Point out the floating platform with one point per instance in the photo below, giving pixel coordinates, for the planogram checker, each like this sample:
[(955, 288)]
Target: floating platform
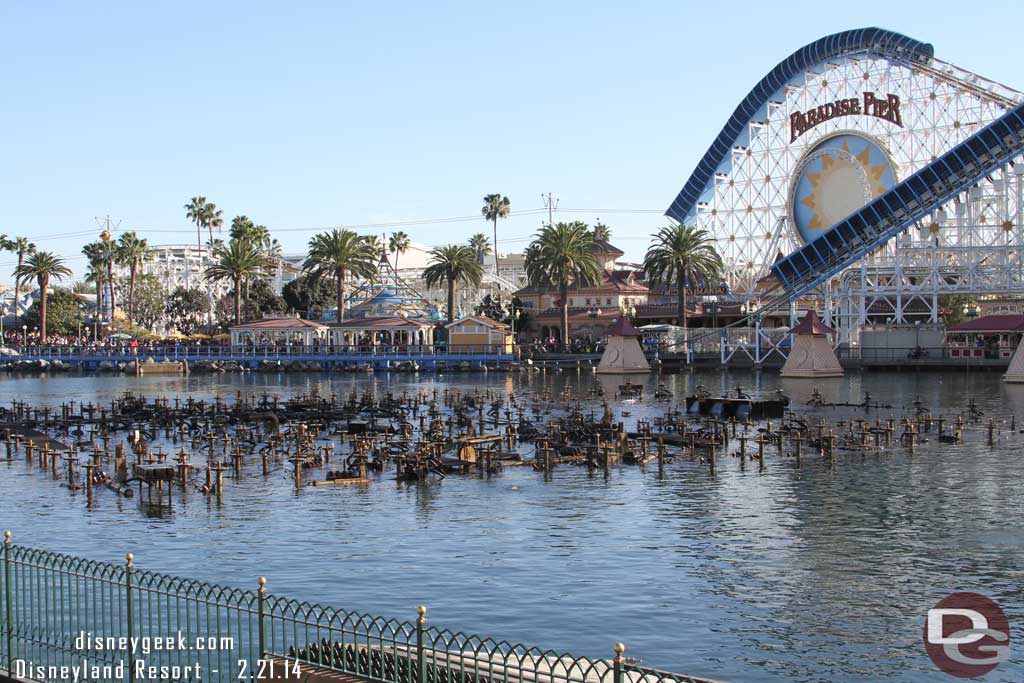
[(740, 408), (167, 367)]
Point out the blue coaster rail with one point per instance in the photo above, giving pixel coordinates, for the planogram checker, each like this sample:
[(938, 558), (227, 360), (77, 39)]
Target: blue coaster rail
[(887, 215)]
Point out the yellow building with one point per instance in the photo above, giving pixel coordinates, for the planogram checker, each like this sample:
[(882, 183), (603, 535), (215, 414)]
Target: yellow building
[(477, 333)]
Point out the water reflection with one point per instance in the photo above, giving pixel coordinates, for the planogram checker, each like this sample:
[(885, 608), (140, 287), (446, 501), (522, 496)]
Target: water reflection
[(821, 572)]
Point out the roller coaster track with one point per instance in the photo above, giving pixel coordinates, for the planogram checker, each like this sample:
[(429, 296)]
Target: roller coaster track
[(887, 215)]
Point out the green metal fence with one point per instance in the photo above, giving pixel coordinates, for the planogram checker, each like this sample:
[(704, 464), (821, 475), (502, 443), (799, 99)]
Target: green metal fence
[(64, 617)]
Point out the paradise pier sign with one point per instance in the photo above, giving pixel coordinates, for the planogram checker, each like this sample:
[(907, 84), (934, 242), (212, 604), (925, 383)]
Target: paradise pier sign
[(887, 108)]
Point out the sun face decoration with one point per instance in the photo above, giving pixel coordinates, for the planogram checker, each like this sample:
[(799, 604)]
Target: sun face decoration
[(840, 175)]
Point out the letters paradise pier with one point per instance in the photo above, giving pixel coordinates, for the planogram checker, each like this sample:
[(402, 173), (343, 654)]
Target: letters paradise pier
[(883, 107)]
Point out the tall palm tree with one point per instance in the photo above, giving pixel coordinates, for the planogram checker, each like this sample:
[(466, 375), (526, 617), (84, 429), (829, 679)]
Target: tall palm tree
[(96, 275), (237, 261), (196, 212), (681, 255), (43, 267), (132, 251), (22, 247), (399, 244), (102, 253), (481, 245), (496, 206), (338, 254), (213, 218), (95, 252), (602, 232), (560, 255), (453, 264), (242, 227)]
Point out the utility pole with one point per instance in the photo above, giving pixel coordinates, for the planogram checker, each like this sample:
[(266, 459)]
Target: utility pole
[(550, 203), (109, 226)]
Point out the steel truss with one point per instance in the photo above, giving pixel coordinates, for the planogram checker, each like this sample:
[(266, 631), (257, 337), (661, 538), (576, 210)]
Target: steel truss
[(973, 245)]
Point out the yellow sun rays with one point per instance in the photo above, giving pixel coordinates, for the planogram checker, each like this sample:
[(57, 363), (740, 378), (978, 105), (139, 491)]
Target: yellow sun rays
[(829, 164)]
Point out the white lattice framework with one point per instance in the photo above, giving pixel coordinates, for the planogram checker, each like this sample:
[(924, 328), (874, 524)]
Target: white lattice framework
[(973, 245)]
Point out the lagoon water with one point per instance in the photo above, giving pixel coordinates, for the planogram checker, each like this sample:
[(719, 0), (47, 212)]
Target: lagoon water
[(812, 574)]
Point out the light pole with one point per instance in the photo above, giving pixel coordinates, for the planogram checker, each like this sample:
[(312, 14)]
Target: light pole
[(24, 332)]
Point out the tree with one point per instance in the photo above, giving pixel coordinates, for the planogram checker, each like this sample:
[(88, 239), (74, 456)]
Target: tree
[(100, 255), (682, 255), (481, 245), (338, 254), (213, 218), (96, 276), (43, 266), (602, 232), (150, 296), (242, 227), (307, 293), (186, 308), (22, 247), (131, 251), (398, 244), (496, 206), (261, 300), (561, 254), (237, 261), (951, 307), (63, 313), (453, 264), (195, 211)]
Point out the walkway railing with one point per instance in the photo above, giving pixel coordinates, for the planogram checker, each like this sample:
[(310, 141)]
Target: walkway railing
[(259, 352), (63, 611)]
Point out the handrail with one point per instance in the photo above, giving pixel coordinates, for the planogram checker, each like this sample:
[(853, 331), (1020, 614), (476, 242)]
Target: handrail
[(49, 600)]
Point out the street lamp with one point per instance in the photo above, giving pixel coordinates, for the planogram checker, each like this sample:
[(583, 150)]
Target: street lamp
[(24, 332)]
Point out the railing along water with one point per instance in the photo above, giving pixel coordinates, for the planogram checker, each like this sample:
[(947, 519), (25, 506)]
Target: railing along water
[(70, 618)]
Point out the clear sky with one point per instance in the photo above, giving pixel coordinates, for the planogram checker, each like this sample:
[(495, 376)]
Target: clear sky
[(304, 115)]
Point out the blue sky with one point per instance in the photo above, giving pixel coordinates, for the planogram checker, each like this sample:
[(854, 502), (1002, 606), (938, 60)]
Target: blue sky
[(304, 115)]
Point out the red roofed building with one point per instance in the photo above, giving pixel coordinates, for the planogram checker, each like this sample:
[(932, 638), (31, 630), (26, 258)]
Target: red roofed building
[(591, 309), (990, 336), (280, 333)]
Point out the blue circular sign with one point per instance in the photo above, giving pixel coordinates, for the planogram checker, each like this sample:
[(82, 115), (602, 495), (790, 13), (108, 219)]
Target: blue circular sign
[(836, 177)]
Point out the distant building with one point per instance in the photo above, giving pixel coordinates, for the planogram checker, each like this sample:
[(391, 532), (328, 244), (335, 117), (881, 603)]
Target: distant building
[(592, 309)]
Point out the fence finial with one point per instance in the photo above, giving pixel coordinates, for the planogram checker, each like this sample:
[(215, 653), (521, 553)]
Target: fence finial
[(129, 557), (619, 649), (262, 581), (422, 611), (7, 537)]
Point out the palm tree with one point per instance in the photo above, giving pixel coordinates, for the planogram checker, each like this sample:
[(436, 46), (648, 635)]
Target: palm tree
[(399, 244), (95, 252), (236, 261), (132, 251), (338, 254), (453, 264), (481, 245), (195, 211), (242, 227), (43, 266), (213, 218), (22, 247), (602, 232), (102, 253), (495, 207), (681, 255), (561, 254)]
